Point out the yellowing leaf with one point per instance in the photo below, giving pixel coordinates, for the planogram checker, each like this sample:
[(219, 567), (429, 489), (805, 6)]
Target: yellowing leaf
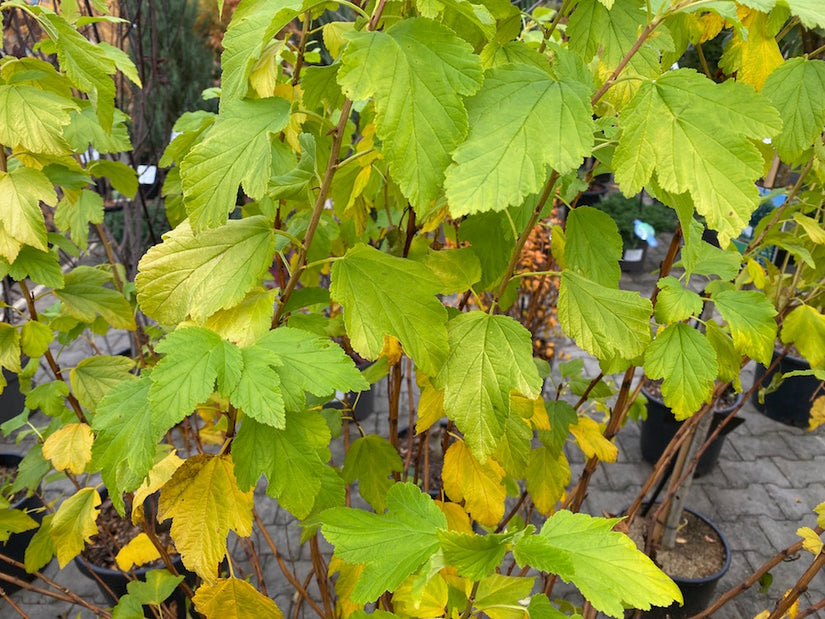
[(430, 406), (457, 519), (478, 485), (348, 575), (137, 552), (820, 514), (70, 448), (204, 502), (74, 524), (546, 478), (810, 540), (231, 598), (158, 476), (804, 327), (246, 322), (412, 601), (21, 192), (755, 56), (391, 350), (592, 442), (817, 416)]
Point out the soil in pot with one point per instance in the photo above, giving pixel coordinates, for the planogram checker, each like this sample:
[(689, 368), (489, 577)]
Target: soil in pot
[(791, 402), (697, 562), (436, 458), (661, 426), (15, 546), (102, 549)]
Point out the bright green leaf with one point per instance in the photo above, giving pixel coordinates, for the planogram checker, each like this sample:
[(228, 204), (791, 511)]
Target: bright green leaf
[(675, 303), (372, 460), (730, 361), (258, 391), (473, 556), (35, 338), (751, 318), (605, 565), (391, 546), (34, 119), (417, 71), (593, 246), (490, 356), (385, 295), (94, 377), (85, 296), (9, 347), (521, 122), (75, 214), (123, 178)]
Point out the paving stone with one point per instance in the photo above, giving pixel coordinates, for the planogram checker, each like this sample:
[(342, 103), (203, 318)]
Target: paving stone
[(733, 503), (803, 445), (752, 448), (699, 501), (610, 501), (622, 476), (743, 474), (757, 423), (797, 503), (745, 534), (781, 533), (802, 472), (785, 575)]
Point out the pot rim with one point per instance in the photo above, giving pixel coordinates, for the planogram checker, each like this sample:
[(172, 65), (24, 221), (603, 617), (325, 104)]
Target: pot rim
[(721, 411)]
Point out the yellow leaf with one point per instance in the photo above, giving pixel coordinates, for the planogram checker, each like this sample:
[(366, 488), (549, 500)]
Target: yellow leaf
[(264, 74), (757, 273), (430, 601), (589, 437), (70, 448), (540, 419), (763, 615), (711, 25), (457, 519), (139, 551), (231, 598), (810, 540), (820, 514), (546, 478), (525, 407), (478, 485), (391, 350), (430, 405), (793, 611), (754, 58), (817, 416), (74, 524), (204, 502), (348, 576), (159, 475)]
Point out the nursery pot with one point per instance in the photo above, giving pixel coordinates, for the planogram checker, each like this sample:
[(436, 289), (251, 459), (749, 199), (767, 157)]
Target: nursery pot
[(11, 400), (661, 426), (15, 546), (117, 580), (791, 402), (633, 260), (697, 593), (599, 187)]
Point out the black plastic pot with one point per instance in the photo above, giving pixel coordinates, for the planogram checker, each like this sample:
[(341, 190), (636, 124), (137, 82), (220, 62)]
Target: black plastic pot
[(791, 402), (114, 581), (11, 400), (599, 187), (661, 426), (698, 593), (633, 260), (15, 546)]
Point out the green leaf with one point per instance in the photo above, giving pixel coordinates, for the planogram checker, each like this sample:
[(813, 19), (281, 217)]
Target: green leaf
[(312, 363), (158, 586), (14, 521), (84, 130), (729, 360), (86, 64), (34, 119), (253, 25), (804, 327), (561, 415), (391, 546), (292, 184), (291, 459), (514, 447), (258, 391), (521, 121), (199, 275), (41, 267), (9, 347), (31, 470), (94, 377), (702, 258), (384, 295), (605, 565), (711, 126), (541, 608), (75, 214), (687, 362), (195, 359), (500, 596), (492, 241), (372, 460), (593, 246), (122, 61), (126, 436), (490, 356), (810, 12), (751, 318), (73, 524), (674, 302), (236, 150), (21, 192), (35, 338), (605, 322), (123, 178), (49, 398), (41, 548), (797, 90), (85, 296), (320, 84), (458, 269), (473, 556), (417, 71)]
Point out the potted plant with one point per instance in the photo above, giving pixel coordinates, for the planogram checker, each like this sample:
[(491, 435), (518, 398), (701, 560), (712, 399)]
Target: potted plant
[(789, 389)]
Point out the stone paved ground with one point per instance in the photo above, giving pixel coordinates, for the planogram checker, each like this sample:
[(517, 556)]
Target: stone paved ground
[(768, 480)]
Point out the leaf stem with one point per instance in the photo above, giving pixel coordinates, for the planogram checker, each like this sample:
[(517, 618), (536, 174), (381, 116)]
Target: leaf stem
[(470, 600), (651, 26), (302, 47)]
